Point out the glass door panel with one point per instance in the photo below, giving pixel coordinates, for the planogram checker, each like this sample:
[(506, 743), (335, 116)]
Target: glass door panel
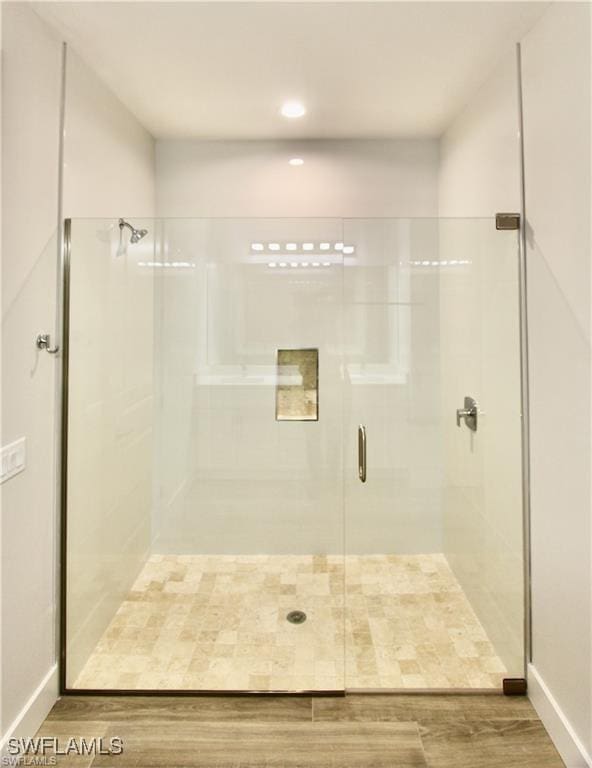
[(250, 470), (434, 581), (109, 387), (205, 504)]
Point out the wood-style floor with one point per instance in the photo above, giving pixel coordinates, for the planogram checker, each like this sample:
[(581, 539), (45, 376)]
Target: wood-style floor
[(358, 731)]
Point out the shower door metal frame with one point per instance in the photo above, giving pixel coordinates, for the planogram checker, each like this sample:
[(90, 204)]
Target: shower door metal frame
[(524, 374), (63, 469), (65, 248)]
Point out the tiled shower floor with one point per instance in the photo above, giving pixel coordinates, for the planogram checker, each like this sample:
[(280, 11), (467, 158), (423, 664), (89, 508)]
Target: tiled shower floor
[(219, 622)]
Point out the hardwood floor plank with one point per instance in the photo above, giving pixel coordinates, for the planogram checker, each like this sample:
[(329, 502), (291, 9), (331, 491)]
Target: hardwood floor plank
[(358, 731), (484, 706), (502, 743), (423, 709), (183, 708), (66, 729), (253, 745)]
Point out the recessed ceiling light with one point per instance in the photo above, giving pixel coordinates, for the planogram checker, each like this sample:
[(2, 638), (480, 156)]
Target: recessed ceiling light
[(324, 246), (348, 249), (291, 246), (307, 246), (274, 246), (256, 246), (338, 246), (296, 161), (293, 109)]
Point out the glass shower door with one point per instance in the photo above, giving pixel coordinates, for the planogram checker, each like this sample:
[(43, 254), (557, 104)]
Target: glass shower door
[(250, 501), (434, 557), (205, 506)]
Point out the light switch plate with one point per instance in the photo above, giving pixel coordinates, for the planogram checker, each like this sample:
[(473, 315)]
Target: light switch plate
[(13, 459)]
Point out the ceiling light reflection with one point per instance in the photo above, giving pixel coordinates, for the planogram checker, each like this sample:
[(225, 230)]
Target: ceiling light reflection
[(293, 109)]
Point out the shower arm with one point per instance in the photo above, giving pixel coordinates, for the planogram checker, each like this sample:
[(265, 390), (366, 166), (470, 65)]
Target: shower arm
[(123, 223)]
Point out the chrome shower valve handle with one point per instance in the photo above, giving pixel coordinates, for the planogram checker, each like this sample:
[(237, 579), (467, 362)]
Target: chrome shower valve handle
[(468, 413)]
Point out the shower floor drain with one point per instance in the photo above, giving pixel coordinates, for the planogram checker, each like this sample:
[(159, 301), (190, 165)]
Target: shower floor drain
[(296, 617)]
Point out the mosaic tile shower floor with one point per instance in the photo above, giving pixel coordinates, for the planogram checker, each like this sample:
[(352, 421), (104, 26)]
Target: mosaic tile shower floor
[(219, 622)]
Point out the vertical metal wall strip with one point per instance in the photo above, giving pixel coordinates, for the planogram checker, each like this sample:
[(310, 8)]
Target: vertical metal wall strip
[(62, 308), (524, 375)]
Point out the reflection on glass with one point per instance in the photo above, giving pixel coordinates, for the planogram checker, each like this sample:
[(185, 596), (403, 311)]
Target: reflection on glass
[(297, 385)]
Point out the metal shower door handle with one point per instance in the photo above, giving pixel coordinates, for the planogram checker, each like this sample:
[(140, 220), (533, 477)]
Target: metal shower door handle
[(362, 453)]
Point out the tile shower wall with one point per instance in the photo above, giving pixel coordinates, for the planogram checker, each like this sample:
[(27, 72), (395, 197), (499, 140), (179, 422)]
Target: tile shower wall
[(232, 479), (482, 502), (392, 383), (110, 429)]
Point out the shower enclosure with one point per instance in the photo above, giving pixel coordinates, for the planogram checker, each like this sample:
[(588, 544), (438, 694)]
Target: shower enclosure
[(292, 456)]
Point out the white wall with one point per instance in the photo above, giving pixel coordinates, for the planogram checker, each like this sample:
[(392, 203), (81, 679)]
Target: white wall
[(109, 157), (556, 77), (30, 117), (479, 151), (101, 130), (477, 179), (338, 178)]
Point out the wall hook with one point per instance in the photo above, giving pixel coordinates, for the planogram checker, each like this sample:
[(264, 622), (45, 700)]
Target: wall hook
[(43, 341)]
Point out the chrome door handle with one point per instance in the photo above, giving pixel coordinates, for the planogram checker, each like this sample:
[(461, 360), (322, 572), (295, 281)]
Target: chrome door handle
[(362, 453), (468, 413)]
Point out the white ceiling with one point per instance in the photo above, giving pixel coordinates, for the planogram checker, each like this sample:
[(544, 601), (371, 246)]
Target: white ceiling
[(363, 69)]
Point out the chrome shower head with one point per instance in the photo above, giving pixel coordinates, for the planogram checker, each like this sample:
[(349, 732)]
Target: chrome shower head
[(137, 234)]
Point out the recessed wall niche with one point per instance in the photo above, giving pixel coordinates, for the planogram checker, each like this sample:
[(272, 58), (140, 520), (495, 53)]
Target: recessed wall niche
[(297, 389)]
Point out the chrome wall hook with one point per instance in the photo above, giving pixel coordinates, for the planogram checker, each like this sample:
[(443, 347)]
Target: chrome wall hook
[(43, 341)]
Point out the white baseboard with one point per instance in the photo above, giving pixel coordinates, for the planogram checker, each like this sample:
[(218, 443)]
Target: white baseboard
[(572, 751), (35, 711)]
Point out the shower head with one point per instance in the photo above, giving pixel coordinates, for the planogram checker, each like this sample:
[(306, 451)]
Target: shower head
[(137, 234)]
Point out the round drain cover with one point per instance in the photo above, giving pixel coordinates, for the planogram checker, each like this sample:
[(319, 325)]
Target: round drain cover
[(296, 617)]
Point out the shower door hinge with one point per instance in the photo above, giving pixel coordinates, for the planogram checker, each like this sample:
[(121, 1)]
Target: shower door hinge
[(506, 221), (514, 686)]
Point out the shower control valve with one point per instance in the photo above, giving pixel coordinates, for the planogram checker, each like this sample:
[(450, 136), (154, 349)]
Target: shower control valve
[(468, 413)]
